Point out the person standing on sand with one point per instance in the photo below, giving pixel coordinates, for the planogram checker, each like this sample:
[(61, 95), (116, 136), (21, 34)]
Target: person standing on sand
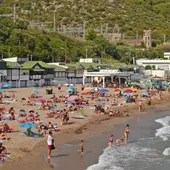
[(111, 141), (126, 134), (140, 105), (149, 101), (50, 143)]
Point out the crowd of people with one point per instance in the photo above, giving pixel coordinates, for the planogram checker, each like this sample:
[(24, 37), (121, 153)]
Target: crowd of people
[(100, 103)]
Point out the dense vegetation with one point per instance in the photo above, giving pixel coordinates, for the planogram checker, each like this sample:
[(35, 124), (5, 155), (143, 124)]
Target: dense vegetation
[(19, 39), (130, 15)]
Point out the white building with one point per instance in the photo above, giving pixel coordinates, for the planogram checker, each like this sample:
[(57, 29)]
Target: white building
[(158, 63), (90, 60), (167, 55)]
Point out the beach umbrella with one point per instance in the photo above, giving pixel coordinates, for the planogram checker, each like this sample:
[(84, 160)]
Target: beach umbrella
[(71, 85), (125, 94), (7, 85), (35, 91), (128, 91), (104, 91), (2, 90), (70, 90), (118, 90), (72, 98), (145, 94), (41, 100), (96, 89), (134, 89), (86, 91), (165, 83), (27, 125), (22, 110), (31, 111)]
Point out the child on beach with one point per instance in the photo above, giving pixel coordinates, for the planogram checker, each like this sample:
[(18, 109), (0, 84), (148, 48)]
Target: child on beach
[(111, 141), (119, 141), (81, 147)]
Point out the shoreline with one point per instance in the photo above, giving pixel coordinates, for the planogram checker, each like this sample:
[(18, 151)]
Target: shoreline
[(101, 124)]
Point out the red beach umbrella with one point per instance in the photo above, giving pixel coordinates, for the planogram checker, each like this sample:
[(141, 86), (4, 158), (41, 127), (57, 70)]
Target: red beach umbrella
[(128, 91)]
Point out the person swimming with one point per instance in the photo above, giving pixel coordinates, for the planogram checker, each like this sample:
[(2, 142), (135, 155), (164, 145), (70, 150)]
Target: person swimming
[(126, 134), (119, 141)]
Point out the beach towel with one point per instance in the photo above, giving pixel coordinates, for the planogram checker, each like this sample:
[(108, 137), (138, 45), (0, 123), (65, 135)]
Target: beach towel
[(82, 112), (3, 158), (34, 135), (2, 141), (78, 117)]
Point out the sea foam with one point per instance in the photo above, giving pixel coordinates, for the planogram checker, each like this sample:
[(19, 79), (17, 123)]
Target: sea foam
[(163, 132), (166, 152), (127, 156)]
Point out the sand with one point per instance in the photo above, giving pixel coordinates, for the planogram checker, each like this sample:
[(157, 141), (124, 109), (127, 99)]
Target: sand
[(29, 151)]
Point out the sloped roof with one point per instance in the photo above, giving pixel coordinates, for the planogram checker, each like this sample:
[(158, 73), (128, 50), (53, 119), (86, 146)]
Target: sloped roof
[(84, 65), (13, 65), (58, 68), (31, 64)]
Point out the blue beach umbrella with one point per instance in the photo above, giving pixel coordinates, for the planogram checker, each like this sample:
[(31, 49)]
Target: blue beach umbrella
[(70, 90), (164, 83), (27, 125), (104, 91), (145, 94), (35, 91), (7, 85), (125, 94)]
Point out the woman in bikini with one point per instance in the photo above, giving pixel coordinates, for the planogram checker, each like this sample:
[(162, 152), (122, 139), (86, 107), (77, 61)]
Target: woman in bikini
[(126, 134), (140, 105)]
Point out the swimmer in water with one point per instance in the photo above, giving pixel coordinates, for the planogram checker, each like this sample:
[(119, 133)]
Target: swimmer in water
[(119, 141), (126, 134)]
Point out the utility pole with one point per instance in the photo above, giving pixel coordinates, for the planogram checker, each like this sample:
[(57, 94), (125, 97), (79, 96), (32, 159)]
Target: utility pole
[(101, 29), (106, 30), (123, 36), (164, 37), (14, 13), (137, 36), (84, 30), (54, 20), (86, 52)]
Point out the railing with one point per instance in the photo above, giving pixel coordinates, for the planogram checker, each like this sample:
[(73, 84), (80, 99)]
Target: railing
[(36, 77), (24, 77), (48, 76), (12, 77)]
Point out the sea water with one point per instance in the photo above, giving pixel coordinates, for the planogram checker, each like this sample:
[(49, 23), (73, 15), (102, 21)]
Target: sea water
[(148, 153)]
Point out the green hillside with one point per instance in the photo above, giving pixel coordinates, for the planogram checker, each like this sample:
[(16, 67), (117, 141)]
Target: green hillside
[(22, 39), (130, 15)]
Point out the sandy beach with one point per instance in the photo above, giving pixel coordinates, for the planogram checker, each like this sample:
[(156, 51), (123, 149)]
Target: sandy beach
[(27, 153)]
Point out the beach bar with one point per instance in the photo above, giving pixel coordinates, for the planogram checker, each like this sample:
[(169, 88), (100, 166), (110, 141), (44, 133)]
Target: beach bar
[(110, 74)]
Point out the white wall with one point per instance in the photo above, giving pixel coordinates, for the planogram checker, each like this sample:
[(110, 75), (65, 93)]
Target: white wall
[(159, 73)]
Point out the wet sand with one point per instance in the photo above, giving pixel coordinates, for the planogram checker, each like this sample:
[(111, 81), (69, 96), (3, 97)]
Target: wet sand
[(142, 126)]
